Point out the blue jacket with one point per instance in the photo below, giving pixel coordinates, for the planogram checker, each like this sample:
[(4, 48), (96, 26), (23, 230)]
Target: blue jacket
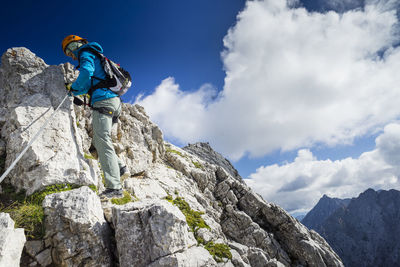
[(90, 65)]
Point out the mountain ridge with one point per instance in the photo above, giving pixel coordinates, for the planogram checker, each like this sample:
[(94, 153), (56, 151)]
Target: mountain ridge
[(365, 232), (181, 209), (322, 210)]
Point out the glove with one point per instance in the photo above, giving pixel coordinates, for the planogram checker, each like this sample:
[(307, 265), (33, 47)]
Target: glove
[(68, 87)]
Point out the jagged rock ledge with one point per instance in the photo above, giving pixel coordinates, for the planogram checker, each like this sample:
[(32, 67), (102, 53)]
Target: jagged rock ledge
[(185, 202)]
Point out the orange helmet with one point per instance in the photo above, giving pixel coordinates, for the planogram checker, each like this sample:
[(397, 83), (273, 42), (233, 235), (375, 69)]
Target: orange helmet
[(69, 39)]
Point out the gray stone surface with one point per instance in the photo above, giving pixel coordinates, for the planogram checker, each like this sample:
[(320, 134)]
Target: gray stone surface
[(144, 188), (206, 153), (76, 228), (44, 257), (33, 247), (11, 242), (287, 240), (30, 91), (149, 230), (194, 256)]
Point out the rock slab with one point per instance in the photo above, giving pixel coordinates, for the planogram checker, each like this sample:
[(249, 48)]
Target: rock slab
[(11, 241), (147, 231), (76, 228)]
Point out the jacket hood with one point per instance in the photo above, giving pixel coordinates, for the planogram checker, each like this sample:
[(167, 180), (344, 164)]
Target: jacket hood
[(94, 45)]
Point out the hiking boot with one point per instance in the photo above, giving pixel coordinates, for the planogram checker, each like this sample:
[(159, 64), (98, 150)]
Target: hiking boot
[(111, 193), (124, 173)]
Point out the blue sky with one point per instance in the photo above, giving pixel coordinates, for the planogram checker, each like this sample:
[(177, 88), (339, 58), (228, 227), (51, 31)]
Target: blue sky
[(302, 97), (153, 39)]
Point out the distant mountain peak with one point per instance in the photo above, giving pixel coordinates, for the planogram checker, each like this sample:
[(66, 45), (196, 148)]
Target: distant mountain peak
[(370, 221), (324, 208)]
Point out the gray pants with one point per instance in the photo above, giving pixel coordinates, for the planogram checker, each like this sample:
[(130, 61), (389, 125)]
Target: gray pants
[(102, 124)]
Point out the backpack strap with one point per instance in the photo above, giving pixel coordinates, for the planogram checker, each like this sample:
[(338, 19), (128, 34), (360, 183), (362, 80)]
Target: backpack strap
[(104, 83)]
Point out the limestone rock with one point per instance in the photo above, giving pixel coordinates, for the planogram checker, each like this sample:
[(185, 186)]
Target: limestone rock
[(76, 228), (31, 90), (11, 241), (137, 140), (149, 230), (287, 235), (206, 153), (145, 188), (194, 256), (237, 259), (257, 257), (33, 247), (44, 257)]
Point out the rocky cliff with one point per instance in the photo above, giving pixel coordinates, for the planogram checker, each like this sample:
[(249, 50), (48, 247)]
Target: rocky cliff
[(366, 232), (181, 207)]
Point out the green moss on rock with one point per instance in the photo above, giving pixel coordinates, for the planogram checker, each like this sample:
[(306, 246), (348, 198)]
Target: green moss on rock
[(175, 152), (27, 211), (88, 156), (197, 164), (123, 200), (196, 222), (38, 197), (218, 251), (30, 217), (193, 218), (170, 199)]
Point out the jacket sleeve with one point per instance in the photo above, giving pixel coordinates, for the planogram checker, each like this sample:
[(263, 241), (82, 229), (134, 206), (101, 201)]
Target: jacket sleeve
[(83, 82)]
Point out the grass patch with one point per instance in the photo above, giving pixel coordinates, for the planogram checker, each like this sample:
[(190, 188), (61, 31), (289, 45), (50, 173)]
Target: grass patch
[(30, 217), (94, 188), (27, 211), (193, 218), (169, 198), (175, 152), (38, 197), (197, 164), (123, 200), (196, 222), (218, 251), (88, 156)]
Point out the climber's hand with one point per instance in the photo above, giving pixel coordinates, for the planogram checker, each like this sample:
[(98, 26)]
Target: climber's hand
[(68, 87)]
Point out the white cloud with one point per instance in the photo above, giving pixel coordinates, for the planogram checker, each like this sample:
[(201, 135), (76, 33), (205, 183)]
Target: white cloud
[(293, 79), (299, 185), (179, 114)]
